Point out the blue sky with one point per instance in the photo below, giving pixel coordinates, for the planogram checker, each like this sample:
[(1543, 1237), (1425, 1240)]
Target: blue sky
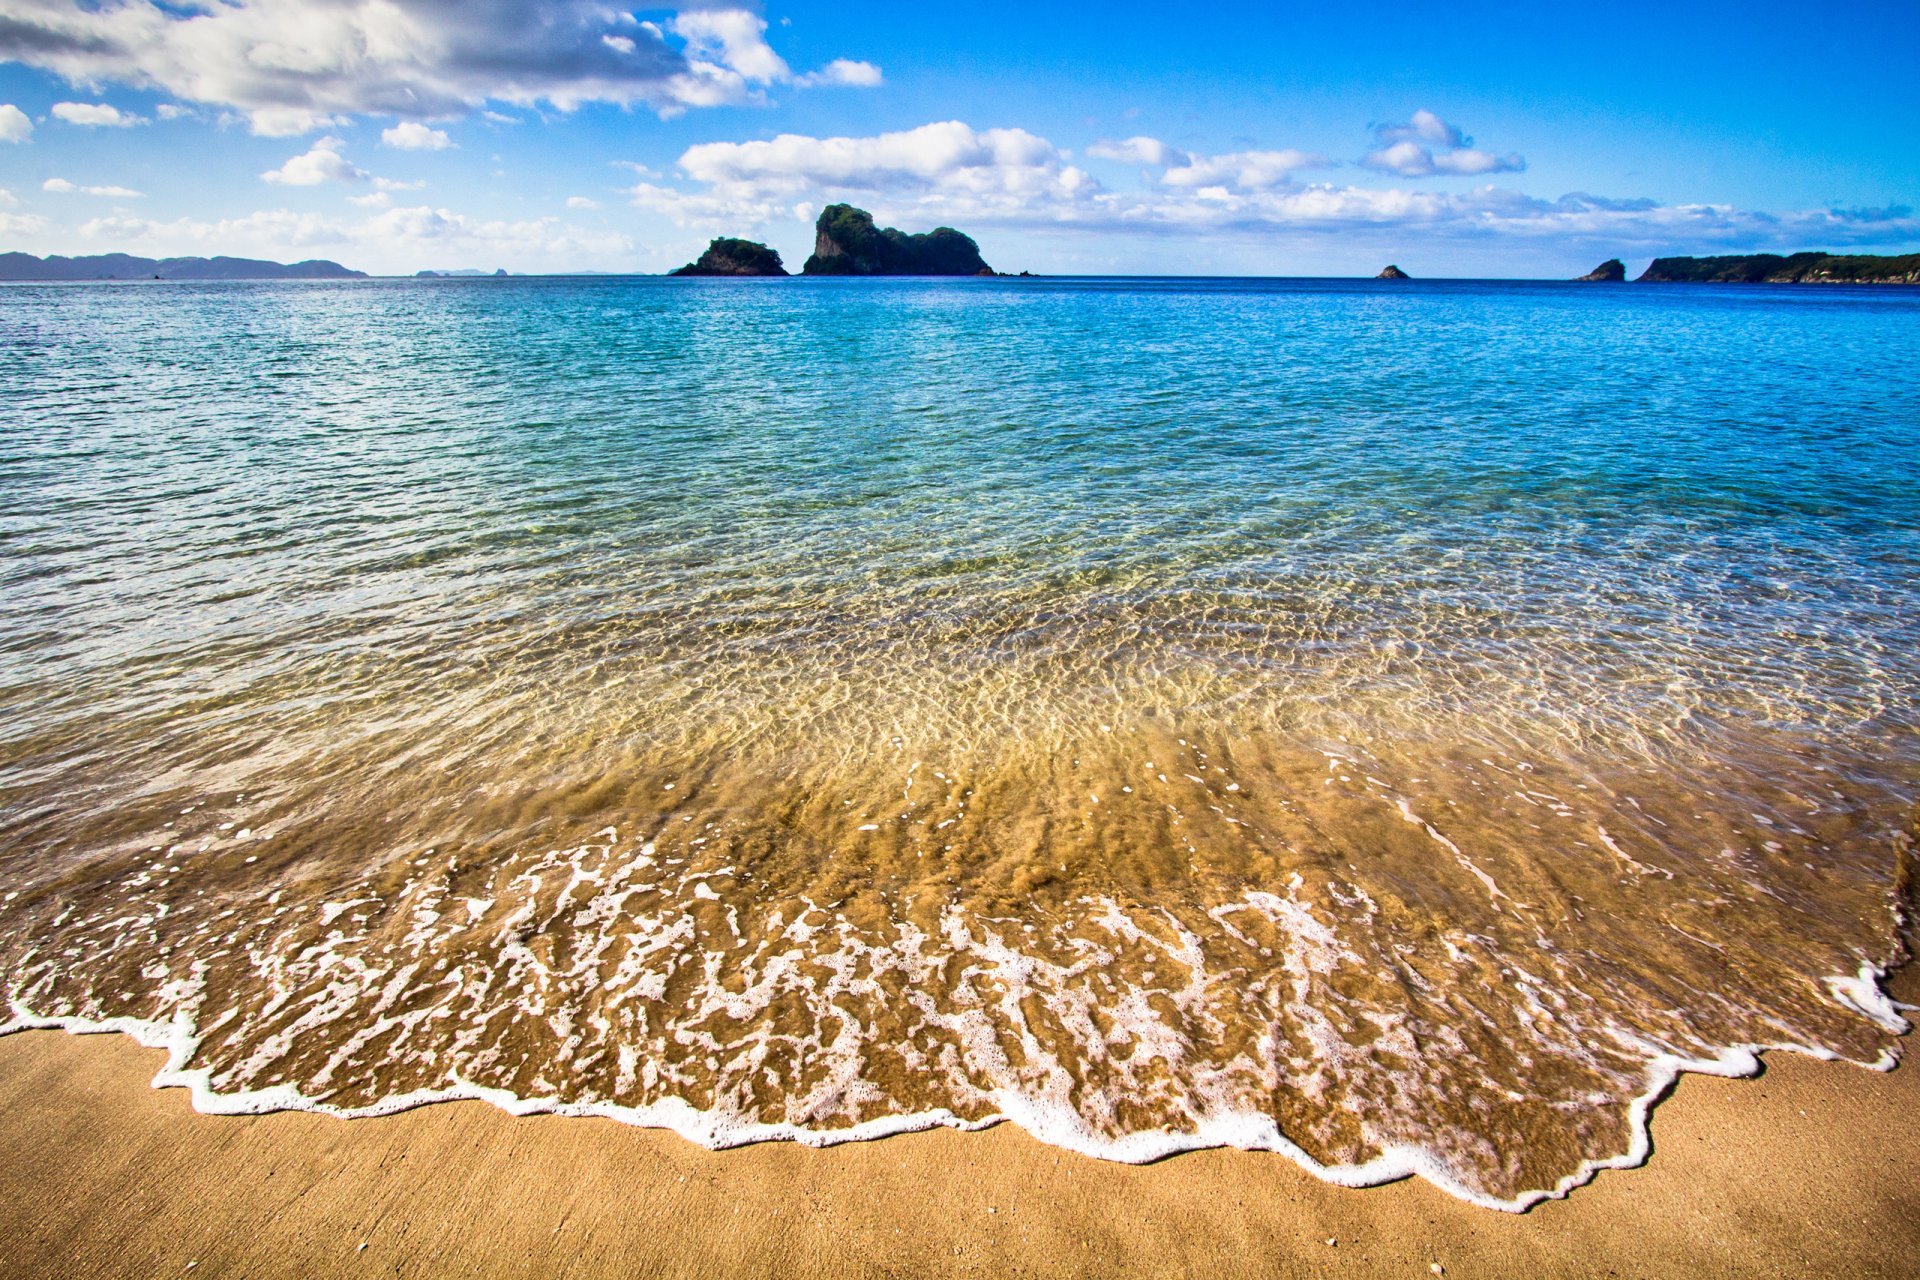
[(1496, 140)]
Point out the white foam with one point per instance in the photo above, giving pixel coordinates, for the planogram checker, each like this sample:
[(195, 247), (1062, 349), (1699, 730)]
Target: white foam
[(1045, 1113)]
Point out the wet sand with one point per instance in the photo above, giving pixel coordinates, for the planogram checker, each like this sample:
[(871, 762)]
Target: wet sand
[(1814, 1168)]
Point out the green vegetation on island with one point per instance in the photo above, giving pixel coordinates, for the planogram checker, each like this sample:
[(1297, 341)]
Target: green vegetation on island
[(1795, 268), (727, 256), (846, 243)]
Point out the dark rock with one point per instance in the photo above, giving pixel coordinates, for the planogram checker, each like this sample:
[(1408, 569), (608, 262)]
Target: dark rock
[(846, 243), (1610, 271), (1393, 273), (730, 257)]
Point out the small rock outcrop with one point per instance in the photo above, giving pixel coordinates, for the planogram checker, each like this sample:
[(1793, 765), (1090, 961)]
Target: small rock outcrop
[(1393, 273), (846, 243), (727, 256), (1608, 272)]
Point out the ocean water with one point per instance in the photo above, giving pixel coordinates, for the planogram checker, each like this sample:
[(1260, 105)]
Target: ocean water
[(1395, 726)]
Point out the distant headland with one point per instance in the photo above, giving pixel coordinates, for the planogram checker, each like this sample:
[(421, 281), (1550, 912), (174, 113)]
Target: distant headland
[(121, 266), (1795, 268)]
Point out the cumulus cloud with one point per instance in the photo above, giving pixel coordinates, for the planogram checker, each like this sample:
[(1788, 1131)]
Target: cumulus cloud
[(1411, 160), (60, 186), (98, 115), (974, 169), (1427, 145), (22, 224), (394, 239), (1140, 150), (1424, 127), (292, 66), (1237, 170), (14, 125), (582, 202), (411, 135), (950, 172), (322, 162), (843, 71)]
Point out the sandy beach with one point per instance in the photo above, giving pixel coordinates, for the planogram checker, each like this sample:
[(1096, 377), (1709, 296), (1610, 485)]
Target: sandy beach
[(1813, 1168)]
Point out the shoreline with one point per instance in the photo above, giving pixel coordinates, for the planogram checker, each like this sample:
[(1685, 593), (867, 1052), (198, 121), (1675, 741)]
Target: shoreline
[(1869, 994), (1809, 1166)]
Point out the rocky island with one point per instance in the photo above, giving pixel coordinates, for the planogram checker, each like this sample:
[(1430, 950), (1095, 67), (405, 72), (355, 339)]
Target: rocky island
[(1393, 273), (727, 256), (846, 243), (1795, 268), (122, 266), (1612, 271)]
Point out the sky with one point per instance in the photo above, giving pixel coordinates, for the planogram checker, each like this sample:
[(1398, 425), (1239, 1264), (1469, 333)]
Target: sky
[(1492, 140)]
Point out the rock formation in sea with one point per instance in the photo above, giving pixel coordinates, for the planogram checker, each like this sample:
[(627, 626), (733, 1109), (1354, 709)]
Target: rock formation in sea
[(1610, 271), (1794, 268), (1393, 273), (846, 243), (121, 266), (726, 256)]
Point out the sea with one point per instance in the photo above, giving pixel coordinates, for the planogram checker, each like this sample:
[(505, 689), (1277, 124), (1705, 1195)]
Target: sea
[(1399, 727)]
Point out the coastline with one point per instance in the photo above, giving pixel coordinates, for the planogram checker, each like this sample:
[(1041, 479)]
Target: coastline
[(1813, 1166)]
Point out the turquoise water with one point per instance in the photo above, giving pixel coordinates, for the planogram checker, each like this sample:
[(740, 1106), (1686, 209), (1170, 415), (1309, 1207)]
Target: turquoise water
[(1538, 661)]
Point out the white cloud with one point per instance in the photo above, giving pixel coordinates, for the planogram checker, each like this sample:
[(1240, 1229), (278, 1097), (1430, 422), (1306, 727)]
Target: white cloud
[(397, 240), (757, 181), (322, 162), (1237, 170), (98, 115), (22, 224), (1411, 160), (1140, 150), (410, 135), (1424, 127), (394, 184), (372, 200), (60, 186), (272, 233), (1242, 170), (293, 66), (582, 202), (14, 124), (730, 40), (844, 72), (7, 200), (949, 172), (1427, 145)]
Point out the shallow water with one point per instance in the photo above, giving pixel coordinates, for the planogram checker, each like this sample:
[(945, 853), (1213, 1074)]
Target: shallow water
[(1393, 726)]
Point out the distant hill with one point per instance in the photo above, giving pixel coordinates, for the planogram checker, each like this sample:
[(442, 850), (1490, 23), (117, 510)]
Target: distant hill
[(846, 243), (1796, 268), (121, 266)]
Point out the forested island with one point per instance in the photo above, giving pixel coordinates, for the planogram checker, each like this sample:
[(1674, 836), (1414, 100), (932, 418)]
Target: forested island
[(1793, 268)]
